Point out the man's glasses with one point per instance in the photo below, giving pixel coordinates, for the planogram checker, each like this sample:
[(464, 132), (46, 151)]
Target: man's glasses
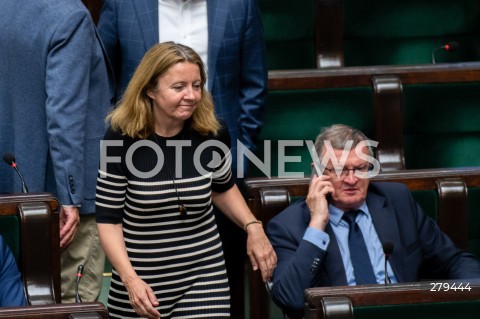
[(344, 172)]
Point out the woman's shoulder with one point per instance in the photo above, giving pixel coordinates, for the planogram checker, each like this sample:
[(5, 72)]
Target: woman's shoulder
[(223, 133), (116, 134)]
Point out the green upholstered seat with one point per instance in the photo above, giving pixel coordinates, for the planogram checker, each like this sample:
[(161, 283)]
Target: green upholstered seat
[(474, 221), (375, 32), (440, 122), (289, 33), (10, 230), (379, 32), (300, 115), (428, 200), (442, 125)]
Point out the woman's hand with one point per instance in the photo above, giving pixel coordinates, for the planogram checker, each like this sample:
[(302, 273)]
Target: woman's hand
[(260, 251), (142, 298)]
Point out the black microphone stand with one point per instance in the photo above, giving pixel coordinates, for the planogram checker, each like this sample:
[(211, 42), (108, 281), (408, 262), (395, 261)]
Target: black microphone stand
[(79, 276), (387, 277), (10, 160), (387, 250)]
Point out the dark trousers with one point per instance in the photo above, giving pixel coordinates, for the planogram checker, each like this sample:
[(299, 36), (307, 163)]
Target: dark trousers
[(234, 249)]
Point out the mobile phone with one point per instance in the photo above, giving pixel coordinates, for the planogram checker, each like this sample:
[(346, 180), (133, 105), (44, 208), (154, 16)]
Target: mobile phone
[(329, 198), (319, 173)]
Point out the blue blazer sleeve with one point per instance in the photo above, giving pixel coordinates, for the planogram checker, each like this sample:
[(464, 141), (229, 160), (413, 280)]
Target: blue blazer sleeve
[(74, 104), (11, 285), (299, 261)]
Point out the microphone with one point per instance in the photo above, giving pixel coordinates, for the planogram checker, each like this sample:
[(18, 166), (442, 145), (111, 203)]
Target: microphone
[(79, 276), (449, 47), (10, 160), (387, 250)]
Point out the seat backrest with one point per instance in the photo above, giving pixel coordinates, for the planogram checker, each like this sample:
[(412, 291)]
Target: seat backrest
[(289, 33), (441, 124), (410, 300), (85, 310), (379, 32), (296, 116), (337, 33), (30, 226), (398, 106), (10, 230)]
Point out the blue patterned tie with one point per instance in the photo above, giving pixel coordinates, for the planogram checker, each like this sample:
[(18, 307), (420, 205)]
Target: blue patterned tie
[(362, 267)]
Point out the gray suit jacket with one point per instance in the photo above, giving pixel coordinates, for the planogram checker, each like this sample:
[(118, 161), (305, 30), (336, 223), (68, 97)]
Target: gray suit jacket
[(237, 75), (54, 95)]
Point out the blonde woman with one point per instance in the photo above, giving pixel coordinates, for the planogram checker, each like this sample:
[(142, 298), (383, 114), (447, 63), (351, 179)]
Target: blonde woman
[(166, 161)]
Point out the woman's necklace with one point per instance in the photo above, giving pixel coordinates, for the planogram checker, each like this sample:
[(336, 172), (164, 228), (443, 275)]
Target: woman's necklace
[(181, 208)]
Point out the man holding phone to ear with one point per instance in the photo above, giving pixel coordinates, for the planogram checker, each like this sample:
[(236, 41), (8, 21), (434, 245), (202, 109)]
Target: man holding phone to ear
[(338, 241)]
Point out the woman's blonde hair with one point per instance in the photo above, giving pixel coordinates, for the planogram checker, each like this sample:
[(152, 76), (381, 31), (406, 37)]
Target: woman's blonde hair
[(133, 115)]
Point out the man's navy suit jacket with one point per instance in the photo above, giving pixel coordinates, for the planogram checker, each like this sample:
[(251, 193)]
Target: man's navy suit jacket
[(421, 249)]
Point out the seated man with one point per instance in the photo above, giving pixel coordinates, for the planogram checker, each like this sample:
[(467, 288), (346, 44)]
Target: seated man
[(11, 285), (334, 237)]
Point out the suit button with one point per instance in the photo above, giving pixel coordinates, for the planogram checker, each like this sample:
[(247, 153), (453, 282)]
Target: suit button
[(315, 264)]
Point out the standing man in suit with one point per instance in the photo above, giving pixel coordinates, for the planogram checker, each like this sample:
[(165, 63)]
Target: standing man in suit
[(228, 35), (54, 96), (315, 238)]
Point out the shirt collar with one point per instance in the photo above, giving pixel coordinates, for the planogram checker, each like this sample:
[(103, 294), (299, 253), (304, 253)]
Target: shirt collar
[(336, 213)]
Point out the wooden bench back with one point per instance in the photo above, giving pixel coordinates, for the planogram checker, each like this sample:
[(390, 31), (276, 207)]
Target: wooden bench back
[(85, 310), (411, 111), (39, 243), (339, 302)]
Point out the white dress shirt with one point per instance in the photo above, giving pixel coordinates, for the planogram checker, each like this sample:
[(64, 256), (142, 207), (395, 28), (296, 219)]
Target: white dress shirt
[(185, 22)]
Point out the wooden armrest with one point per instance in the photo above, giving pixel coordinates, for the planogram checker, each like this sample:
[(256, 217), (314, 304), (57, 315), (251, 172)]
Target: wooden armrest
[(86, 310), (380, 295), (39, 242), (362, 76)]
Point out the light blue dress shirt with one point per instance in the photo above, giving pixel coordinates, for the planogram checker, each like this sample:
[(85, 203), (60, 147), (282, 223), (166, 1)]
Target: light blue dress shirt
[(341, 228)]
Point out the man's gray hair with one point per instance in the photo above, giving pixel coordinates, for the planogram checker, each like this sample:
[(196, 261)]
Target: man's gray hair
[(339, 135)]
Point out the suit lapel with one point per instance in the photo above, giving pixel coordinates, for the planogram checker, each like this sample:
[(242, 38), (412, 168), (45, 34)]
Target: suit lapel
[(385, 223), (146, 12), (217, 17)]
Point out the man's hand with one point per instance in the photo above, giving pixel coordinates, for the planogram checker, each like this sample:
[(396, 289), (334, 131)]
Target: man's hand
[(317, 202), (69, 221)]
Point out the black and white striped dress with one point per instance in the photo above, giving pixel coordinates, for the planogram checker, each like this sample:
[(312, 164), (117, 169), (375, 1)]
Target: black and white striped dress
[(180, 257)]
